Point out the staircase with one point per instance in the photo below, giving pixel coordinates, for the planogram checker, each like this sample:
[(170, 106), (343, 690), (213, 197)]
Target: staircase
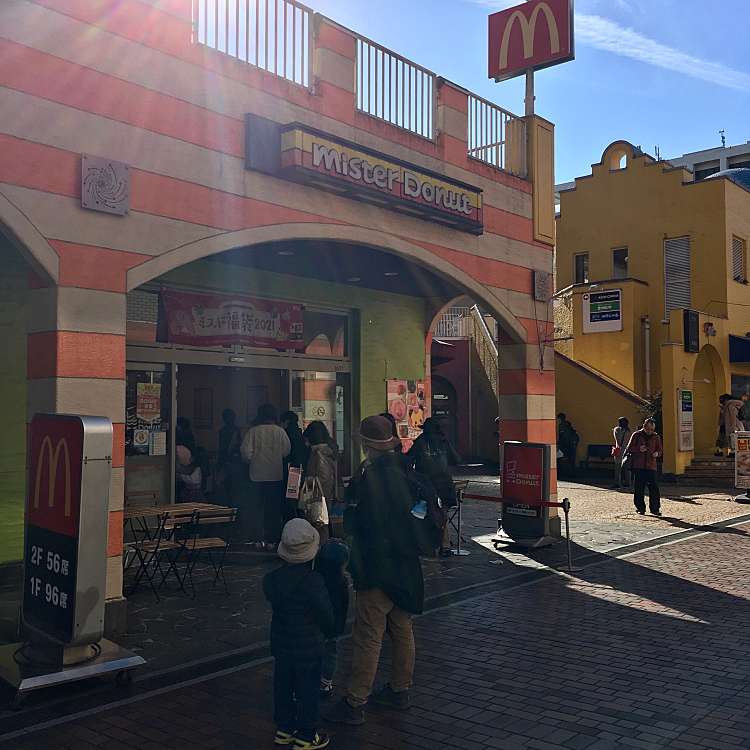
[(711, 471)]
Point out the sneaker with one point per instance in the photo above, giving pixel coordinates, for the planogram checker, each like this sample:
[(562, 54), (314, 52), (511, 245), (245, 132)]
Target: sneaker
[(344, 713), (388, 698), (319, 741), (283, 738), (326, 688), (641, 512)]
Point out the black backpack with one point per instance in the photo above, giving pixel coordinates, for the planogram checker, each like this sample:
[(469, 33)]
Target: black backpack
[(428, 530)]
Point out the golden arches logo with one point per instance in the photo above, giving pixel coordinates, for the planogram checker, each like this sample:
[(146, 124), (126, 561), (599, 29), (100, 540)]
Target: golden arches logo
[(528, 29), (53, 455)]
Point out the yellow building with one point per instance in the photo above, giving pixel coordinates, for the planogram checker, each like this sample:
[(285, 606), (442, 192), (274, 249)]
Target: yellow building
[(639, 242)]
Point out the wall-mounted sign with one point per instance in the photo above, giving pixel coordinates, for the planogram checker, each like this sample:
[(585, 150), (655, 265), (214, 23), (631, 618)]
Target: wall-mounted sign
[(530, 36), (224, 320), (685, 419), (691, 331), (602, 311), (332, 164), (148, 402), (67, 505)]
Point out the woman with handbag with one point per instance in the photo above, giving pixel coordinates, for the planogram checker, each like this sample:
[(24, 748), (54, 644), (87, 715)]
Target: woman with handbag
[(621, 435), (320, 478)]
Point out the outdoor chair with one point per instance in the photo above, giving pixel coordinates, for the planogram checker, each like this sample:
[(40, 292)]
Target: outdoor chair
[(167, 541), (214, 548)]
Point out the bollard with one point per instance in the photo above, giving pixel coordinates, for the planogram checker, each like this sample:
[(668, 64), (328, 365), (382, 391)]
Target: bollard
[(565, 505)]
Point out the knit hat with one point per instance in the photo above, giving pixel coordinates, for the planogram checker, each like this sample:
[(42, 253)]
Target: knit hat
[(299, 541), (377, 432), (334, 552)]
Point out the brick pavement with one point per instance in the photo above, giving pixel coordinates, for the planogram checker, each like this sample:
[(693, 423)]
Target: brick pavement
[(646, 652)]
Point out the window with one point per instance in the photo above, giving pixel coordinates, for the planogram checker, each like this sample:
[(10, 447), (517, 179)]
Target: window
[(739, 259), (582, 268), (620, 263), (676, 274), (701, 174)]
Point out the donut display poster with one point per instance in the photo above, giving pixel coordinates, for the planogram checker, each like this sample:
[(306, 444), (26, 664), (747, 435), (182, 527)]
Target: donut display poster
[(407, 405)]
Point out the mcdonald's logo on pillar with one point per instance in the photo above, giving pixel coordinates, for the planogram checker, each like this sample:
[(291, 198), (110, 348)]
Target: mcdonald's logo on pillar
[(530, 36)]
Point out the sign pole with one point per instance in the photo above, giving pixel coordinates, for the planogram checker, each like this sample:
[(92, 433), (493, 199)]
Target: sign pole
[(530, 92)]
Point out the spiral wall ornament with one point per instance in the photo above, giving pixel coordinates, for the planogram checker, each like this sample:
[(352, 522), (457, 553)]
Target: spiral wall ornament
[(105, 185)]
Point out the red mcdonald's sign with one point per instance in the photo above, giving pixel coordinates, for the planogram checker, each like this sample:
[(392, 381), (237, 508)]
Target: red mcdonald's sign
[(530, 36), (55, 474)]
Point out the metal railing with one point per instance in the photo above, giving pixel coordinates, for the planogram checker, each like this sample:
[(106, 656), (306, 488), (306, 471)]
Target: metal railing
[(394, 89), (273, 35), (496, 136), (455, 322)]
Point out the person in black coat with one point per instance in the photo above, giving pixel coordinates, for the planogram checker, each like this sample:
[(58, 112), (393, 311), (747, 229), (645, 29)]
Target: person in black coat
[(387, 575), (331, 563), (302, 620)]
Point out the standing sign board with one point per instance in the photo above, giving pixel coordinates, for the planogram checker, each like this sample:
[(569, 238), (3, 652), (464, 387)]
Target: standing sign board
[(742, 461), (530, 36), (526, 474), (602, 311), (685, 419), (67, 506)]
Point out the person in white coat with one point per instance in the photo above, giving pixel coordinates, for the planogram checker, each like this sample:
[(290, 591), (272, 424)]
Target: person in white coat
[(264, 448)]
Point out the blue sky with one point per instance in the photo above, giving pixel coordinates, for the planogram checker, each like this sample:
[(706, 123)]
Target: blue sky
[(670, 73)]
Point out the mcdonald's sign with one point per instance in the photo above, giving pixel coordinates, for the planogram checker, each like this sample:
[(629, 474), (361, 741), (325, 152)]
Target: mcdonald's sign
[(531, 36)]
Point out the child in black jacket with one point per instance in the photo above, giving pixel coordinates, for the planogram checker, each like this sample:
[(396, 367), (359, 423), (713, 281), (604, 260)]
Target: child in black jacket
[(302, 620), (331, 563)]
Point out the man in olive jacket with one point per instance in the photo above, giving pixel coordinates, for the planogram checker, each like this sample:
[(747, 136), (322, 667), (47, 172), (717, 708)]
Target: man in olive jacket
[(386, 572)]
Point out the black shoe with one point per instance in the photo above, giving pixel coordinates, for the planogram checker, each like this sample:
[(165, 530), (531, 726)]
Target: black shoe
[(656, 513), (317, 743), (640, 512), (344, 713), (388, 698)]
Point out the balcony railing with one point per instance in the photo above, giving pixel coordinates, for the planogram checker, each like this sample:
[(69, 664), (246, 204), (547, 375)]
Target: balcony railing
[(274, 35), (394, 89), (496, 136)]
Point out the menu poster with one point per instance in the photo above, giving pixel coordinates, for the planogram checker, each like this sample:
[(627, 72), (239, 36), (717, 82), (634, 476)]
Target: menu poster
[(407, 405), (148, 402), (742, 461)]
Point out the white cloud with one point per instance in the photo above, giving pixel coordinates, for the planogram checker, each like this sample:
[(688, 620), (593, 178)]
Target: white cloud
[(603, 34)]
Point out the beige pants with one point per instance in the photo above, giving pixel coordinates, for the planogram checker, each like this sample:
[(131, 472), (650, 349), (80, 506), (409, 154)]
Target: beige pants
[(375, 614)]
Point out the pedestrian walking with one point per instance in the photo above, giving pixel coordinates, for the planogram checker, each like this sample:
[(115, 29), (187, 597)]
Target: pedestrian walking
[(621, 433), (645, 447), (264, 448), (331, 564), (387, 575), (731, 414), (302, 619)]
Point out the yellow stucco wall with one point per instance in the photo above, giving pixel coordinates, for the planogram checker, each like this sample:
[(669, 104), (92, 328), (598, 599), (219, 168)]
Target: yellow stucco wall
[(595, 416), (638, 207)]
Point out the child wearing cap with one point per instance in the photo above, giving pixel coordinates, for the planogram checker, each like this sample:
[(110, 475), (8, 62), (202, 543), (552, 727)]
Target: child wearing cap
[(302, 620), (331, 563)]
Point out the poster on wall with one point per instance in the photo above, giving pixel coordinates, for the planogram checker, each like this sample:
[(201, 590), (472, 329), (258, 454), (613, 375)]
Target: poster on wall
[(148, 402), (602, 311), (742, 461), (408, 406), (225, 320), (685, 419)]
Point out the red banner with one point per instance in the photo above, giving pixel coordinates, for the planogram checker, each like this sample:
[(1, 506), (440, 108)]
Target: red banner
[(530, 36), (54, 487), (523, 473), (223, 320)]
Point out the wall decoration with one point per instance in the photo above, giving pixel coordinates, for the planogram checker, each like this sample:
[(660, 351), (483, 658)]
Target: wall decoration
[(105, 185)]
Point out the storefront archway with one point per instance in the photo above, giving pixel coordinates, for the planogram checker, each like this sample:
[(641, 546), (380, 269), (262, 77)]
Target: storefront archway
[(708, 384), (27, 239), (205, 248)]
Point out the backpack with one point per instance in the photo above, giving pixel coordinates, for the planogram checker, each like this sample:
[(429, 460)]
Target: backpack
[(742, 414), (426, 515)]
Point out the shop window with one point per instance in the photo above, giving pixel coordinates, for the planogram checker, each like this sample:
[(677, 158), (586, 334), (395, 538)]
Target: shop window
[(582, 268), (620, 263), (677, 271), (739, 260)]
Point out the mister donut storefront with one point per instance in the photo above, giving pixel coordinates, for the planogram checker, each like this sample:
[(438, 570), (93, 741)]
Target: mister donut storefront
[(240, 234)]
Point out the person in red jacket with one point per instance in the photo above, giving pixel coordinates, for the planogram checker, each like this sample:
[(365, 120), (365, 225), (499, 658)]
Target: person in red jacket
[(645, 447)]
